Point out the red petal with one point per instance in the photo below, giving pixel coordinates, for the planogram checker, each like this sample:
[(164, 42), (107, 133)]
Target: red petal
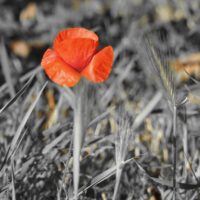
[(77, 52), (73, 33), (100, 66), (58, 71)]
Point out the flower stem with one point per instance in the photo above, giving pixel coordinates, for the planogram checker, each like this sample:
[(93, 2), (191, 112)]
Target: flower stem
[(78, 133)]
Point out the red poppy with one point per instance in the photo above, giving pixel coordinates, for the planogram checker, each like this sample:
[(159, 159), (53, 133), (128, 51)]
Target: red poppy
[(75, 55)]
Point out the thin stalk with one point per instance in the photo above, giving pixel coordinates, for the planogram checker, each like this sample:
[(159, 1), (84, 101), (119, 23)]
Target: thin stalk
[(121, 148), (77, 143), (118, 177), (80, 124), (168, 81), (185, 147), (174, 150)]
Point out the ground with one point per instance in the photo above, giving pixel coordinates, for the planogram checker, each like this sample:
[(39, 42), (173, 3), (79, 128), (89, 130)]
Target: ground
[(132, 130)]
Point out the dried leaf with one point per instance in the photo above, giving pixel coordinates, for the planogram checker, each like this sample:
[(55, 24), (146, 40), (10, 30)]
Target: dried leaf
[(51, 115), (187, 66), (165, 12), (29, 12), (20, 48)]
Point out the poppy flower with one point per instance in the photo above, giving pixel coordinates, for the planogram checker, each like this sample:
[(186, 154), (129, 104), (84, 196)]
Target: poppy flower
[(75, 55)]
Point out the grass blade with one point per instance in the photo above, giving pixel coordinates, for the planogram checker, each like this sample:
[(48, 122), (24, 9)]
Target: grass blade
[(174, 150), (103, 176), (147, 110), (6, 68), (13, 182), (121, 147), (31, 73), (106, 98), (19, 93), (69, 95), (49, 147), (101, 116), (21, 127)]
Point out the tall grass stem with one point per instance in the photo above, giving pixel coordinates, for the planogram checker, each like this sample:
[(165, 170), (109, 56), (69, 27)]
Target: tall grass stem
[(174, 150)]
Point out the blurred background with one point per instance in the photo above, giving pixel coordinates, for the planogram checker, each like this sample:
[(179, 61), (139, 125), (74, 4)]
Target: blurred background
[(41, 167)]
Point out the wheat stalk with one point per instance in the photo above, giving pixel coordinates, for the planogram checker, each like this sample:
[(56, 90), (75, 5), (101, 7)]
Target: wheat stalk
[(168, 81)]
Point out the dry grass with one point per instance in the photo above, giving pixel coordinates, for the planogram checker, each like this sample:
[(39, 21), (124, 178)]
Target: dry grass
[(106, 141)]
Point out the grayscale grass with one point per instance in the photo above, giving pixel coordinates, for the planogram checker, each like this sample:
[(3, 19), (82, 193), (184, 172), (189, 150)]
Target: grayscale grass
[(13, 182), (6, 69), (19, 93), (18, 133), (167, 77), (121, 149), (40, 164)]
